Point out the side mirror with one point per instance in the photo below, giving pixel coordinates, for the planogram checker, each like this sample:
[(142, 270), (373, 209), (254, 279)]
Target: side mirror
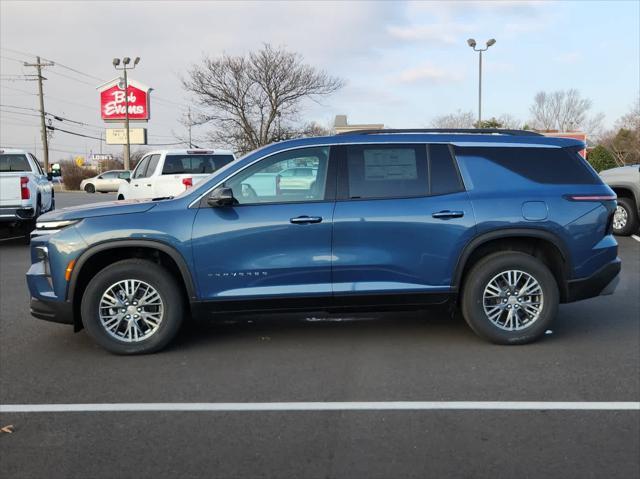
[(221, 197), (49, 176)]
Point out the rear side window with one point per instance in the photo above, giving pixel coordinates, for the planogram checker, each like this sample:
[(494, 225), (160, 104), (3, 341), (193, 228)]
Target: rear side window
[(153, 164), (540, 165), (14, 163), (194, 164), (387, 171), (444, 174)]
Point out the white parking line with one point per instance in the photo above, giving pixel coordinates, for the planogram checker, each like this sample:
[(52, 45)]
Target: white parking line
[(636, 237), (327, 406)]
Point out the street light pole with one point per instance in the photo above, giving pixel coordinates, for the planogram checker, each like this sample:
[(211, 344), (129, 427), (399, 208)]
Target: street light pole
[(125, 67), (127, 157), (472, 43)]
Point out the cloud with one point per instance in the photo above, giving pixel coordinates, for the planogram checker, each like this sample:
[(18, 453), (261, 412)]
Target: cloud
[(436, 33), (426, 74)]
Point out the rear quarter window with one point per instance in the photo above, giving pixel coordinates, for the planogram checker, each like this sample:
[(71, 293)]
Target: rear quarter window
[(493, 166)]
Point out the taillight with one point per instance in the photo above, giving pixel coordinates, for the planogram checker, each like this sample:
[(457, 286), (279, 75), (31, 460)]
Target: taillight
[(187, 182), (24, 189)]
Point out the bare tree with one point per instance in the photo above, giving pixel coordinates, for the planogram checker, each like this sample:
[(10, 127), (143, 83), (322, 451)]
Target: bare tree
[(563, 110), (509, 122), (254, 100), (459, 119), (623, 142)]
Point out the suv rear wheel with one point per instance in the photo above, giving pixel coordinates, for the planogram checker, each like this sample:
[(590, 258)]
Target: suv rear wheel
[(132, 307), (510, 298), (625, 219)]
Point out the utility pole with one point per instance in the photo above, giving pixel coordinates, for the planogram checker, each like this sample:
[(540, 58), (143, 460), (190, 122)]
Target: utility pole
[(43, 126)]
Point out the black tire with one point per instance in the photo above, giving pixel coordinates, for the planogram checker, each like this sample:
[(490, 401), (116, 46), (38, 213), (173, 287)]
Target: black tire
[(89, 188), (141, 270), (629, 224), (120, 197), (481, 275)]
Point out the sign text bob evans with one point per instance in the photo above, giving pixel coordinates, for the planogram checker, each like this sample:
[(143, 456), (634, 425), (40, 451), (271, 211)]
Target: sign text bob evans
[(113, 101)]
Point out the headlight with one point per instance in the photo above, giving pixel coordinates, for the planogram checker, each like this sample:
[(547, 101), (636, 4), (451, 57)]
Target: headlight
[(54, 225)]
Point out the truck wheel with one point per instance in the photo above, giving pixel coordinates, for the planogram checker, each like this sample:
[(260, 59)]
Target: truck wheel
[(133, 306), (121, 197), (90, 188), (625, 219), (510, 298)]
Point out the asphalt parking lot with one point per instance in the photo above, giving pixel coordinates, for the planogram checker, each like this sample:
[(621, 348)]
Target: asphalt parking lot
[(592, 353)]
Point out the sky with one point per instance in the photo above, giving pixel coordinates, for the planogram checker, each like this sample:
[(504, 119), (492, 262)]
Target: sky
[(404, 62)]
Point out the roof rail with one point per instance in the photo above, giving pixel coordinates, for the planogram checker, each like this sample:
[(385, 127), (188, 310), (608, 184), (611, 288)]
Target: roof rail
[(475, 131)]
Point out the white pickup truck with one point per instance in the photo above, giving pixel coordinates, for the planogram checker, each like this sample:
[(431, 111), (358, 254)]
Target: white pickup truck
[(167, 173), (25, 190)]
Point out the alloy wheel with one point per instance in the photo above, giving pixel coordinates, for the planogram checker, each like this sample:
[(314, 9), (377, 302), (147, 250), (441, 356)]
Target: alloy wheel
[(513, 300), (620, 218), (131, 310)]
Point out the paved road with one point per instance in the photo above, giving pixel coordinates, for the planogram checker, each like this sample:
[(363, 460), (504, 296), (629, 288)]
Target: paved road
[(592, 354)]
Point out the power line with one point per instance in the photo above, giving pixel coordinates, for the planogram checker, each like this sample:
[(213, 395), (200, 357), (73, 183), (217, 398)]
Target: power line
[(17, 89), (55, 128), (72, 78)]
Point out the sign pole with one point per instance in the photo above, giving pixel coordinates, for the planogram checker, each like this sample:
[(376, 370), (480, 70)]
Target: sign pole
[(127, 155)]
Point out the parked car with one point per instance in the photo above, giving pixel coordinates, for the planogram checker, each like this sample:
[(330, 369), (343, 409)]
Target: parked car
[(504, 225), (106, 182), (625, 182), (298, 178), (25, 190), (165, 173)]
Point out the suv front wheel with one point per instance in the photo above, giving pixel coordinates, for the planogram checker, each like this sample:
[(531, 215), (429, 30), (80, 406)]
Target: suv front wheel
[(510, 298), (132, 307)]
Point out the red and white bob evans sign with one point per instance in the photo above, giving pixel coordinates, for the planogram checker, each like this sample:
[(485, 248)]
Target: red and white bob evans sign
[(113, 101)]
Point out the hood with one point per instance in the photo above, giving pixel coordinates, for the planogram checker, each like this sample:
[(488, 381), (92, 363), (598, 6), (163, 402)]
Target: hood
[(99, 209)]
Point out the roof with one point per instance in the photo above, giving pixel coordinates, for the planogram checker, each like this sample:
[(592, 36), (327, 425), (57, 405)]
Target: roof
[(12, 151), (457, 139), (185, 151)]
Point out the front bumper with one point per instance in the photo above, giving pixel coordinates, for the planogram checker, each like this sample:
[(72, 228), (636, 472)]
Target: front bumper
[(602, 282), (56, 311)]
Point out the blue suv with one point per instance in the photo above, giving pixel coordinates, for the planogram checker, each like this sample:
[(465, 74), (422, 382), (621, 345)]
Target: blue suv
[(501, 224)]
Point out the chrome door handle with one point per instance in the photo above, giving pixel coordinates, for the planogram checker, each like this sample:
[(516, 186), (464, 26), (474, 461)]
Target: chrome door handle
[(301, 220), (446, 214)]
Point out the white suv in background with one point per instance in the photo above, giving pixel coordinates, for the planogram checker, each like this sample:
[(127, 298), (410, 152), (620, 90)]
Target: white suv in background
[(167, 173)]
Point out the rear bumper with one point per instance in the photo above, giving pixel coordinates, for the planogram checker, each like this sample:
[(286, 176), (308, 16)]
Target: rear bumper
[(13, 213), (602, 282), (55, 311)]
